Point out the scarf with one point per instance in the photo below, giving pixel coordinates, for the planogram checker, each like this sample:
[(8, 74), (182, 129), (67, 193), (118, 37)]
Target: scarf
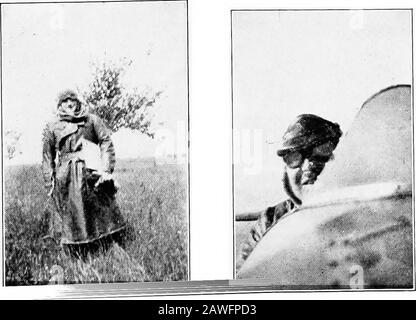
[(74, 115)]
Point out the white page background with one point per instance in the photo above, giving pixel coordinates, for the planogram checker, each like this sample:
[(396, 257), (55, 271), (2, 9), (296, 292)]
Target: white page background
[(211, 220)]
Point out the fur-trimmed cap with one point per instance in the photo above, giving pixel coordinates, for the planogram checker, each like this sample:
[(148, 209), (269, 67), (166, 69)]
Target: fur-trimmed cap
[(67, 94)]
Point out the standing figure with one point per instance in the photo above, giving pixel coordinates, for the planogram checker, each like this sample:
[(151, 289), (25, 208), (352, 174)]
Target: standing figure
[(82, 208), (308, 144)]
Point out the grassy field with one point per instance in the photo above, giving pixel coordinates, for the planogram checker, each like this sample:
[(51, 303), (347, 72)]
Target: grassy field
[(153, 199)]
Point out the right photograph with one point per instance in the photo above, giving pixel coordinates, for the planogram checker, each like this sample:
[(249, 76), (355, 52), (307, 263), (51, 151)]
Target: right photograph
[(322, 148)]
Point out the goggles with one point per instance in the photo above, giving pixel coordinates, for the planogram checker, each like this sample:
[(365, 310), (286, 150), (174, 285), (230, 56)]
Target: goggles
[(320, 154)]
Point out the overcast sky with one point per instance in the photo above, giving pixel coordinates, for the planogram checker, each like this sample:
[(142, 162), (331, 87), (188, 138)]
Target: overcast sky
[(50, 47), (292, 62)]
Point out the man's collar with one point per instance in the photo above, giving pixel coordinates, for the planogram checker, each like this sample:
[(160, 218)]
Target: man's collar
[(289, 190)]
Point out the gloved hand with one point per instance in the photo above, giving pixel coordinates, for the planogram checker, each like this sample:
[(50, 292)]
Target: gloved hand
[(105, 177)]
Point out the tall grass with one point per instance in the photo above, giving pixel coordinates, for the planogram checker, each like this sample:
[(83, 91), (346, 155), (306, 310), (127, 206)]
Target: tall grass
[(153, 201)]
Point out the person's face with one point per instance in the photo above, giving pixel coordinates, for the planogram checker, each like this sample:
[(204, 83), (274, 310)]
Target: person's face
[(304, 167), (70, 104)]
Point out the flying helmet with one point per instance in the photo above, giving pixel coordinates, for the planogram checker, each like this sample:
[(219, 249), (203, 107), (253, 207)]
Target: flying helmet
[(67, 94), (308, 130)]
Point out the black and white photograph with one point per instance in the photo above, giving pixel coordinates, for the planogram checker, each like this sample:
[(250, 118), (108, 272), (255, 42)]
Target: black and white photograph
[(95, 142), (322, 148)]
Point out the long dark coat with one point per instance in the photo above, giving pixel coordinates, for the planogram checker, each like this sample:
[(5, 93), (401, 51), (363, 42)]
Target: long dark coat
[(78, 212)]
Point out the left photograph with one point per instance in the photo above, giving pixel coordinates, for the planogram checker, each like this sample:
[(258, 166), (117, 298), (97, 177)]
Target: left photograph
[(95, 142)]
